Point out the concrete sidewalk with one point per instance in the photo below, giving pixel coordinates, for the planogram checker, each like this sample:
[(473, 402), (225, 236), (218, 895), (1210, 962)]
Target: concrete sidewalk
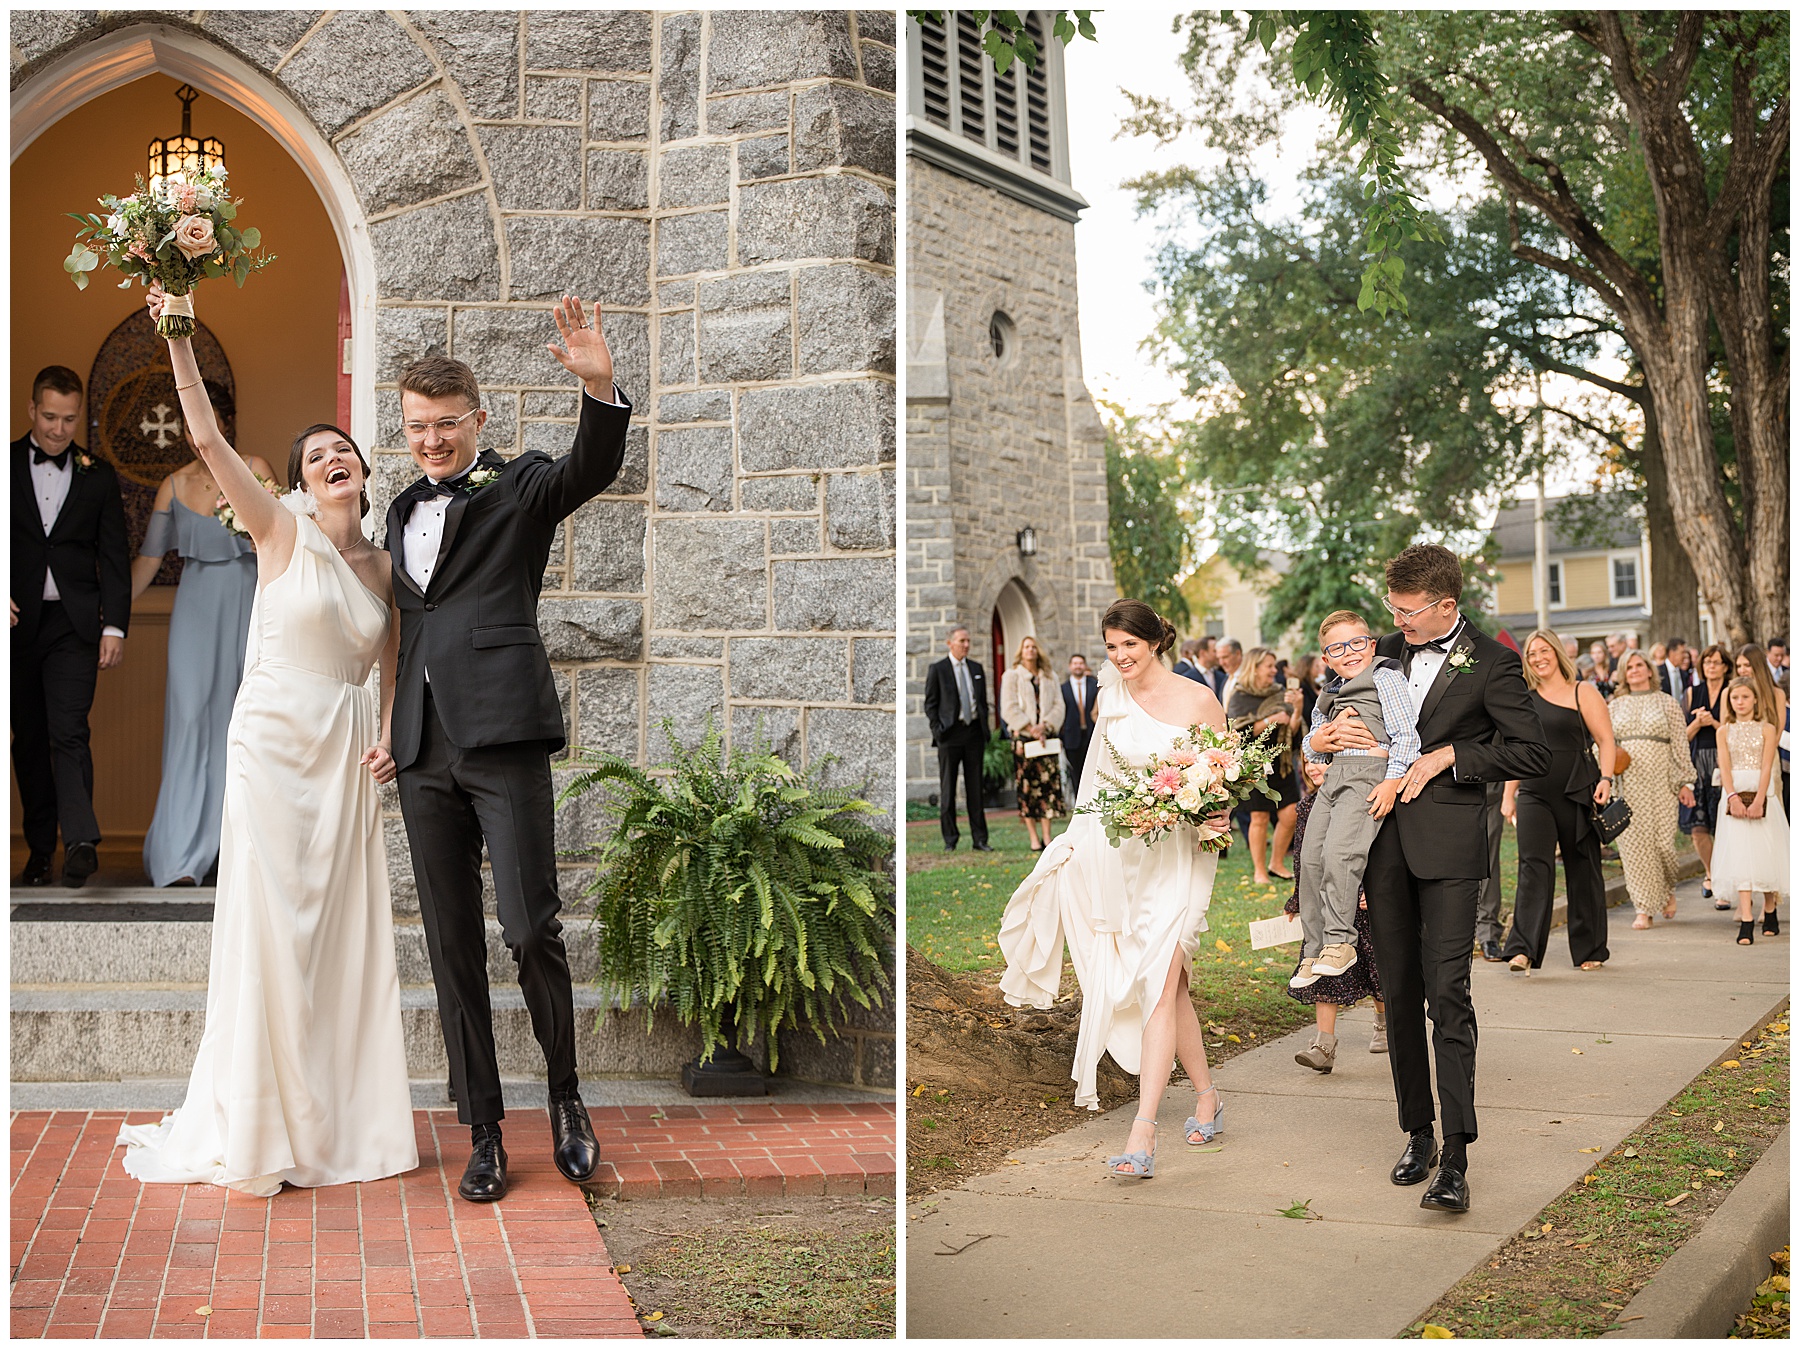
[(1567, 1061)]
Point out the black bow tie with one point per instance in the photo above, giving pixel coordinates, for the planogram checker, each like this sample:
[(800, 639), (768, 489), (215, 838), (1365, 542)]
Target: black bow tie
[(1413, 649), (39, 457), (429, 488)]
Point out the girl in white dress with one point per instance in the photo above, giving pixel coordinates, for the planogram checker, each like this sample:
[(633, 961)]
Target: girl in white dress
[(1132, 915), (301, 1075), (1750, 852)]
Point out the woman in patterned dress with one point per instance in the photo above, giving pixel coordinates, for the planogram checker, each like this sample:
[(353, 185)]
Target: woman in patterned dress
[(1031, 705), (1649, 726)]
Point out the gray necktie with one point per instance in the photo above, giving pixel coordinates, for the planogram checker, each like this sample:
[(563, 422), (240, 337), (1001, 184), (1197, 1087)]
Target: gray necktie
[(964, 692)]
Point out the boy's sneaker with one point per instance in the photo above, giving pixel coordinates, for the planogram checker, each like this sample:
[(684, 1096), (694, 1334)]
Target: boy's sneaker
[(1304, 977), (1334, 959), (1320, 1055)]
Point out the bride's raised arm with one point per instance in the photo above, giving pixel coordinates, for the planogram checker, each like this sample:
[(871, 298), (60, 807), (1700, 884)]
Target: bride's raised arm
[(257, 511)]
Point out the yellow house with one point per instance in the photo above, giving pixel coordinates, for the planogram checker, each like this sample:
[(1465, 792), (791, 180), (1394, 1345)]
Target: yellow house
[(1229, 603), (1598, 585)]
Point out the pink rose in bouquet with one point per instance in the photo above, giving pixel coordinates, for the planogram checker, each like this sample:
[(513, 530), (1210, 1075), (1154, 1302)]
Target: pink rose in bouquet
[(194, 236)]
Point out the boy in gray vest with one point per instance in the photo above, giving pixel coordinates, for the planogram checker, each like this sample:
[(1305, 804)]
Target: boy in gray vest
[(1358, 791)]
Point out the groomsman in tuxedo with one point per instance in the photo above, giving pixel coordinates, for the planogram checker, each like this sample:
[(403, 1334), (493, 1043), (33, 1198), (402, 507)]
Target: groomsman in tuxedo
[(1188, 667), (1432, 855), (956, 710), (71, 605), (1079, 691)]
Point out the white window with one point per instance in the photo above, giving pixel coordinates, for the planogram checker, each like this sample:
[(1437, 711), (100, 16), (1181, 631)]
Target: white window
[(1555, 585), (1625, 579)]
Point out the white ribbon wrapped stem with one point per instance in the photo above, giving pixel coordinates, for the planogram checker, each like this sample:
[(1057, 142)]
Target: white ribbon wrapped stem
[(179, 304)]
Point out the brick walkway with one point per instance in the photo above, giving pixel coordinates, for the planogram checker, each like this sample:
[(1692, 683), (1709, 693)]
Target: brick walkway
[(96, 1253)]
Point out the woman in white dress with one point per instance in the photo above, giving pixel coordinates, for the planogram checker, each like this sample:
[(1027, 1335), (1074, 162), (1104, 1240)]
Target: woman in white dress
[(301, 1075), (1750, 851), (1132, 915)]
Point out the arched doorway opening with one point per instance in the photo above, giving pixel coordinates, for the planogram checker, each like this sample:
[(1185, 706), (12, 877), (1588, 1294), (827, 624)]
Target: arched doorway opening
[(1015, 619), (80, 129)]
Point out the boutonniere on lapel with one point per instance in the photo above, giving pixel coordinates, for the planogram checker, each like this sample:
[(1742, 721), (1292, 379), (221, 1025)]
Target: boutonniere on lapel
[(480, 478), (1461, 661), (83, 462)]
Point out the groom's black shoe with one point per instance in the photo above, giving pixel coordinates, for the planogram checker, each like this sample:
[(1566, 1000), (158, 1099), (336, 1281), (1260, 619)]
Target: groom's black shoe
[(484, 1178), (1416, 1162), (80, 860), (577, 1150), (1448, 1191), (37, 869)]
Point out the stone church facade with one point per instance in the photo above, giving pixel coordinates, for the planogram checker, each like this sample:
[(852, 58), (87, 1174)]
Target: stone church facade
[(724, 182), (1001, 433)]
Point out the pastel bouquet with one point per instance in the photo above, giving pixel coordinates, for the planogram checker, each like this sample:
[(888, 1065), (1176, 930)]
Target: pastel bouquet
[(226, 514), (174, 235), (1203, 772)]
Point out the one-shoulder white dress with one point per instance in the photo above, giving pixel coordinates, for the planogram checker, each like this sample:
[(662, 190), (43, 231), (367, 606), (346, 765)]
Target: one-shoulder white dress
[(1124, 912), (301, 1074)]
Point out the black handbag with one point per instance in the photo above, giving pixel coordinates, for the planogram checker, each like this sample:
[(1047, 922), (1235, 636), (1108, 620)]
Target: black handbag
[(1612, 819)]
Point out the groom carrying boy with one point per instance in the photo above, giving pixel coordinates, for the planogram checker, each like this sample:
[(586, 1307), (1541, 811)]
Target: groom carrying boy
[(476, 718)]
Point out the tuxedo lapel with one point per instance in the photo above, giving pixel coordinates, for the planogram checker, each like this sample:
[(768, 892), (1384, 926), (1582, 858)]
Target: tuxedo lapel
[(459, 506), (1465, 641), (396, 542), (24, 494)]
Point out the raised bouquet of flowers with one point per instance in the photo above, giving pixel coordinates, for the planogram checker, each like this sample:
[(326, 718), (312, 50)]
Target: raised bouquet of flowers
[(226, 514), (1203, 772), (172, 235)]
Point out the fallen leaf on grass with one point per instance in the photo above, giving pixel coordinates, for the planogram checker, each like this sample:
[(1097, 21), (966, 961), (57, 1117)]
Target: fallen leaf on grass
[(1731, 1063), (654, 1316), (1234, 1039), (1629, 1152), (1436, 1333), (1220, 944), (1545, 1228), (1685, 1194), (1711, 1172), (1719, 1126), (621, 1269), (919, 1090)]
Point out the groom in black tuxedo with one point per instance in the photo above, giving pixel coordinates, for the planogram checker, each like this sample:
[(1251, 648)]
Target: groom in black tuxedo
[(476, 719), (1426, 869), (71, 605)]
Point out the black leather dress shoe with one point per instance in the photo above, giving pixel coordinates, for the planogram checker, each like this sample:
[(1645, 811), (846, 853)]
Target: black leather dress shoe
[(1416, 1162), (37, 870), (80, 861), (1490, 950), (982, 847), (484, 1178), (1448, 1191), (577, 1151)]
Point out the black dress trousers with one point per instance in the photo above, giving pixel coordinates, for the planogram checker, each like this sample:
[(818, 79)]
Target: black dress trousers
[(53, 680), (1546, 822), (452, 799), (960, 751)]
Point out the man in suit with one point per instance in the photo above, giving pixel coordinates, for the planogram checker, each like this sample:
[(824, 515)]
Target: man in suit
[(476, 718), (71, 605), (1188, 667), (1079, 691), (1231, 656), (1675, 674), (956, 711), (1428, 864)]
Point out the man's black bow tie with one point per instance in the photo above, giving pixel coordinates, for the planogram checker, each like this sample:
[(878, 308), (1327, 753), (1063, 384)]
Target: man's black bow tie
[(1413, 649), (39, 457), (430, 488)]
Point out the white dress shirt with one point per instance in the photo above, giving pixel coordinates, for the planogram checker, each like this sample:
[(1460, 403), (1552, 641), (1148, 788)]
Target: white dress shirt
[(50, 483), (1426, 664)]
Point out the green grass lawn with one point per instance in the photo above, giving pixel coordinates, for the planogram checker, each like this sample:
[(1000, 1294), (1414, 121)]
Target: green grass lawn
[(954, 902)]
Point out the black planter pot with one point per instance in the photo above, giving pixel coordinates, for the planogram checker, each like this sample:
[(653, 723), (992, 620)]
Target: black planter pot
[(727, 1073)]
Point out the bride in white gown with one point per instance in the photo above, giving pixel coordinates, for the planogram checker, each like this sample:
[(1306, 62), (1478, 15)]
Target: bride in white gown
[(301, 1075), (1132, 915)]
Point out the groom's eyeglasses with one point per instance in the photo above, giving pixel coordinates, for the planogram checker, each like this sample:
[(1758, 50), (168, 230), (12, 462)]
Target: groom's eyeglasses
[(445, 426), (1388, 604), (1337, 649)]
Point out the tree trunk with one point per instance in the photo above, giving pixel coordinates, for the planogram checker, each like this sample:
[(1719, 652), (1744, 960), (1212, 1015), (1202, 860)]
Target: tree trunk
[(1674, 593)]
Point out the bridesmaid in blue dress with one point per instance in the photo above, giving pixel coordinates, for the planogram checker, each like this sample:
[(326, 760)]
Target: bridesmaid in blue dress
[(207, 632)]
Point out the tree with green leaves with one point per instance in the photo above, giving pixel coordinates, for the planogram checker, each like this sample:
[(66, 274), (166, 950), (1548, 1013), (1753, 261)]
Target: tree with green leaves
[(1654, 147), (1147, 530)]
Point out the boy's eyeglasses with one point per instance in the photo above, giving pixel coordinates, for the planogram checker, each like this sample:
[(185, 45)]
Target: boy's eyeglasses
[(1337, 649)]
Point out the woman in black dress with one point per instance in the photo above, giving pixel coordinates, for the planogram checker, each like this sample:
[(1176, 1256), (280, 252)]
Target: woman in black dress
[(1557, 810), (1259, 705), (1704, 711)]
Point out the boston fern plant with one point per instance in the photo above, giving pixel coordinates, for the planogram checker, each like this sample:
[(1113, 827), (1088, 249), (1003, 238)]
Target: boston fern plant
[(749, 897)]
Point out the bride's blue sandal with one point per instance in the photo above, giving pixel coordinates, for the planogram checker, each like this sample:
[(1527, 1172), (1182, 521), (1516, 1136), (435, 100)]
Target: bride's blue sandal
[(1212, 1128), (1142, 1164)]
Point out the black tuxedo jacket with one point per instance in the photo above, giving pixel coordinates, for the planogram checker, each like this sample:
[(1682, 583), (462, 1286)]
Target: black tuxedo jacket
[(1074, 735), (943, 703), (85, 550), (1486, 712), (475, 627), (1188, 670)]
